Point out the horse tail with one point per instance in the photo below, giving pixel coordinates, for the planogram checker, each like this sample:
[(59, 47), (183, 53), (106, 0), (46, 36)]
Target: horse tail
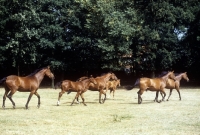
[(136, 83), (3, 80), (58, 84)]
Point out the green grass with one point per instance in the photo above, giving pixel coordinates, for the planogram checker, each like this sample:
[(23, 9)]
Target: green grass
[(121, 116)]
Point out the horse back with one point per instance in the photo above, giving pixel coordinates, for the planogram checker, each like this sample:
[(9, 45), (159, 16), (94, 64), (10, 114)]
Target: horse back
[(24, 84), (151, 84)]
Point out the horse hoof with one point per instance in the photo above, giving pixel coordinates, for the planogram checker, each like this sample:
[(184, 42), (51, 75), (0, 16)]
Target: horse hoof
[(38, 106), (13, 107)]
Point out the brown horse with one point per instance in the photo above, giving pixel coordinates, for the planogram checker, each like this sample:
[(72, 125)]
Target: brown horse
[(155, 84), (112, 85), (29, 83), (171, 84), (80, 87), (101, 84)]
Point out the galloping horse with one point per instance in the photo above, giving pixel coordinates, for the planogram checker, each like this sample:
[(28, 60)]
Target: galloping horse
[(112, 85), (171, 84), (101, 84), (80, 87), (155, 84), (28, 83)]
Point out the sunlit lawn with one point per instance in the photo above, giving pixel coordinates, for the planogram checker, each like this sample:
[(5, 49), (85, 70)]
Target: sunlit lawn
[(121, 116)]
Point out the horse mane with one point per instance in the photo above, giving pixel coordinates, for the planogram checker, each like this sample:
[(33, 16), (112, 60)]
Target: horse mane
[(163, 73), (105, 73), (37, 70)]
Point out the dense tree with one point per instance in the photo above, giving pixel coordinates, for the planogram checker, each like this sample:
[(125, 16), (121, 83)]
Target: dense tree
[(86, 35)]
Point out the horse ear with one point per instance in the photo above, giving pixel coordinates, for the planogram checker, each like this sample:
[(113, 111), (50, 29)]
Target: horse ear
[(48, 67)]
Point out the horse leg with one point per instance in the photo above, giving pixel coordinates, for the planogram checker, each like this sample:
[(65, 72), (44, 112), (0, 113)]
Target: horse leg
[(29, 98), (59, 96), (104, 96), (170, 93), (113, 93), (157, 96), (163, 98), (77, 95), (10, 97), (157, 93), (179, 94), (83, 99), (77, 101), (4, 98), (139, 96), (102, 92), (38, 96), (100, 97)]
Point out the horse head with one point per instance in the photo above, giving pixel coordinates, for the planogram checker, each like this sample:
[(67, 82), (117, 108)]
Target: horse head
[(92, 80), (118, 82), (49, 73), (113, 76), (185, 76), (171, 75)]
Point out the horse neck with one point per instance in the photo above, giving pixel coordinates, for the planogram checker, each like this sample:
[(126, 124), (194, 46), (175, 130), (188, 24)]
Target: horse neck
[(86, 82), (164, 78), (40, 75), (179, 77), (107, 77)]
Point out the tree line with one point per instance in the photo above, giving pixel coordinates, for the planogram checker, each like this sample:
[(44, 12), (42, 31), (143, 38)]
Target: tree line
[(89, 35)]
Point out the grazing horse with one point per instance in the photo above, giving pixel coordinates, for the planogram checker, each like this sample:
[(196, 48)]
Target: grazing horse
[(28, 83), (79, 86), (155, 84), (112, 85), (171, 84)]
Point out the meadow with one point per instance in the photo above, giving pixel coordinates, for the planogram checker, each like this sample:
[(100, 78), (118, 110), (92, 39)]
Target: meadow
[(119, 116)]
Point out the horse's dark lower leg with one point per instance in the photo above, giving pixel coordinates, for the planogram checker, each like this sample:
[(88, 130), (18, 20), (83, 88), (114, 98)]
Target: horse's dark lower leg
[(38, 96), (157, 93), (104, 97), (170, 93), (29, 98), (77, 95), (139, 99), (161, 94), (100, 97), (179, 94), (77, 100), (83, 99), (10, 97), (4, 99), (139, 96), (163, 98), (59, 96), (113, 94)]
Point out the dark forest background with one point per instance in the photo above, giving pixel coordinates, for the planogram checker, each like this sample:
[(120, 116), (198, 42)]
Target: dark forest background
[(132, 38)]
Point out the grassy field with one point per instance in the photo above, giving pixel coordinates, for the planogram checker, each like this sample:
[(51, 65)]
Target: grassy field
[(121, 116)]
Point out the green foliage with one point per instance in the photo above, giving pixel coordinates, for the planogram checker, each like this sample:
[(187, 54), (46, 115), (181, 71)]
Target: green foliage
[(100, 34)]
